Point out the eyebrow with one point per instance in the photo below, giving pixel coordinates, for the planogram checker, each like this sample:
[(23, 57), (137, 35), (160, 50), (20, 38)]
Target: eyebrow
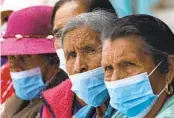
[(87, 46)]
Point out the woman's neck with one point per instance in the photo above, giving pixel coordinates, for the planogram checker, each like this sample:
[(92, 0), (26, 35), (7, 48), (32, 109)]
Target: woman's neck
[(82, 103), (100, 111), (157, 106)]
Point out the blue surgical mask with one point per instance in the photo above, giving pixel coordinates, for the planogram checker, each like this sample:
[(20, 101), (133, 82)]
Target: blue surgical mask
[(60, 54), (133, 96), (90, 87), (28, 84)]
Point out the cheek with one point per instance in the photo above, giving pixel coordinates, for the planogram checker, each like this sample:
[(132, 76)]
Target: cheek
[(157, 82), (38, 61), (11, 63), (15, 65), (70, 66), (133, 71)]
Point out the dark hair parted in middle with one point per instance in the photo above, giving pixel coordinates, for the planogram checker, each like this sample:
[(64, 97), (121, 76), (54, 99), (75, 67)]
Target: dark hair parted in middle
[(156, 36), (91, 5)]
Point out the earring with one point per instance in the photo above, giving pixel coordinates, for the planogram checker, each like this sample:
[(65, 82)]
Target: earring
[(169, 89)]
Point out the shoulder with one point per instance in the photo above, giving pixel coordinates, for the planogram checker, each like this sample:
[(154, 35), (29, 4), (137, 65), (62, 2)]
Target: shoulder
[(59, 99), (59, 93), (13, 105), (13, 101), (118, 115), (61, 89)]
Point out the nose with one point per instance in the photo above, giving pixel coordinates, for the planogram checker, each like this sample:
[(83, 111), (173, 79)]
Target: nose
[(117, 75), (80, 65)]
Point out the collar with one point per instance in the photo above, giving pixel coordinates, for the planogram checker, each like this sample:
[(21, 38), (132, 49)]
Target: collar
[(57, 79)]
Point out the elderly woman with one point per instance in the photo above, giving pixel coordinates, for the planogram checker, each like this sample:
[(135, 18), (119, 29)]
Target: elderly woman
[(139, 67), (82, 47), (34, 65), (66, 9)]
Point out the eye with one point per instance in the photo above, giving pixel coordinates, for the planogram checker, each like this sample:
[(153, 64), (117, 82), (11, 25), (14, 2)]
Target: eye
[(108, 68), (58, 35), (22, 58), (25, 58), (72, 54), (11, 58), (89, 49), (28, 56), (128, 63)]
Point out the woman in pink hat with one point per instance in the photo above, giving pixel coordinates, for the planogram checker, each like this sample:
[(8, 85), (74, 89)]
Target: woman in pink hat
[(34, 66)]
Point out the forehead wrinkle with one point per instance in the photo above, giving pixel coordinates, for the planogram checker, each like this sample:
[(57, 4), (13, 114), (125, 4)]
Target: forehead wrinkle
[(120, 51), (89, 39), (81, 36), (128, 54), (114, 51)]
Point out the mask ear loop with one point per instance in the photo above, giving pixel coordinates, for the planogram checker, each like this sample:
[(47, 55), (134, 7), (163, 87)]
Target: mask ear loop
[(169, 89), (153, 71), (46, 62), (162, 90), (47, 82), (155, 68), (167, 86)]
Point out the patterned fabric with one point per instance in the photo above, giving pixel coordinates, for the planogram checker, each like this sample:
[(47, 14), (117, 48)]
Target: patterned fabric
[(7, 89), (58, 101)]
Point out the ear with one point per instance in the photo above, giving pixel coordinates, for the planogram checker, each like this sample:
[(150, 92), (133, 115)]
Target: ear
[(170, 74)]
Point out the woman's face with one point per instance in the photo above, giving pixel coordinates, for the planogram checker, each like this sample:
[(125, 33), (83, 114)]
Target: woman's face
[(63, 14), (25, 62), (125, 57), (82, 49)]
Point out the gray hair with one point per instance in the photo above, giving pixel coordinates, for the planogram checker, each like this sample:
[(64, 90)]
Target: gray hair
[(98, 20)]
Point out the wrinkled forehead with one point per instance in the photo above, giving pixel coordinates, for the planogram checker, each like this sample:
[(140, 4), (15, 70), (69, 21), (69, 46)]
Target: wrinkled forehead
[(131, 42), (123, 47), (81, 35)]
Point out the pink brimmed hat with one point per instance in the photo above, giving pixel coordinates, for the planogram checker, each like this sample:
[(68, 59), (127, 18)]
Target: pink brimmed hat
[(29, 32)]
